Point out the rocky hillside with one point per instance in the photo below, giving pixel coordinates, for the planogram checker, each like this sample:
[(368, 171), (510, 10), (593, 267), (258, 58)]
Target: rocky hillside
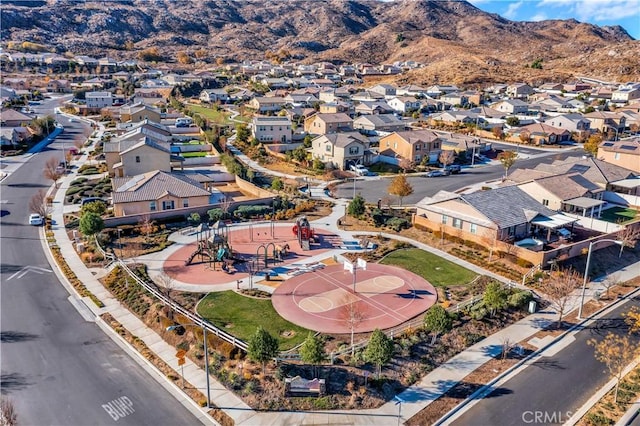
[(459, 42)]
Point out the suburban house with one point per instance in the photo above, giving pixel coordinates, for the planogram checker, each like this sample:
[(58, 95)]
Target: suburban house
[(605, 120), (404, 104), (58, 86), (266, 104), (271, 129), (98, 100), (455, 98), (571, 193), (482, 217), (412, 145), (339, 150), (625, 94), (624, 153), (321, 124), (8, 136), (571, 122), (371, 124), (386, 90), (11, 118), (457, 117), (335, 107), (519, 90), (301, 100), (540, 134), (155, 191), (214, 95), (373, 107), (457, 142), (511, 106), (137, 156), (139, 112)]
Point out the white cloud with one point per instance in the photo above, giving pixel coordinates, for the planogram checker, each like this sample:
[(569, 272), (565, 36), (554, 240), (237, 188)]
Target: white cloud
[(539, 17), (511, 11), (596, 10)]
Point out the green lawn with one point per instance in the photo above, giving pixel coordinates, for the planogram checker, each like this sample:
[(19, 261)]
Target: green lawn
[(618, 215), (194, 154), (438, 271), (220, 117), (240, 316)]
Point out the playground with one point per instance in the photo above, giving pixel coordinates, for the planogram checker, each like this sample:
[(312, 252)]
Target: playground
[(380, 296), (222, 253)]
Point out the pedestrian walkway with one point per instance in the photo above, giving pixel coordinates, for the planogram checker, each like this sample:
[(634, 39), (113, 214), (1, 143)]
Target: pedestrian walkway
[(414, 398)]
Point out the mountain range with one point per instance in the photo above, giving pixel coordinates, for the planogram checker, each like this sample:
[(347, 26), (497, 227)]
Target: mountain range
[(457, 42)]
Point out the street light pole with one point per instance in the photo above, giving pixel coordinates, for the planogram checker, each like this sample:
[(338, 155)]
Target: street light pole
[(586, 270), (206, 355)]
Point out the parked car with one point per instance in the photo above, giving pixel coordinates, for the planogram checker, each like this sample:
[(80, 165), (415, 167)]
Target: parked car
[(35, 219), (437, 173), (359, 169), (453, 168)]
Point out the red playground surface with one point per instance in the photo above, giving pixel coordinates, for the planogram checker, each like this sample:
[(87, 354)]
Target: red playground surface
[(244, 243), (385, 296)]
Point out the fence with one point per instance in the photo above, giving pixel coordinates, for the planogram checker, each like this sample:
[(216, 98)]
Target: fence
[(196, 319)]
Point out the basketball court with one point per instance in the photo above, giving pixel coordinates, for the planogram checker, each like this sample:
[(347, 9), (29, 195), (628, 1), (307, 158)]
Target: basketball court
[(324, 300)]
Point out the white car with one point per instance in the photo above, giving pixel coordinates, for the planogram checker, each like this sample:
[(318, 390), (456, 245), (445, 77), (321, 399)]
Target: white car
[(35, 219)]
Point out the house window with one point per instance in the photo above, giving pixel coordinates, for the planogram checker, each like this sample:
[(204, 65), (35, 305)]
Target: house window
[(168, 205), (457, 223), (444, 219), (545, 202), (185, 202), (354, 150), (417, 147), (152, 206), (473, 228), (328, 148), (137, 158)]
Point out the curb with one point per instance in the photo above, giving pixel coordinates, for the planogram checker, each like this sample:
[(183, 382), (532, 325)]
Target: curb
[(512, 372)]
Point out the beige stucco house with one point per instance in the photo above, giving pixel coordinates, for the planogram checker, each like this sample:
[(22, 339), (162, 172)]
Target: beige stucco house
[(625, 153), (339, 150), (139, 112), (271, 129), (322, 124), (157, 191), (412, 145)]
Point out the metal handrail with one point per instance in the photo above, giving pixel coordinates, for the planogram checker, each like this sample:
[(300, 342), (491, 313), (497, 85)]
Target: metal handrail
[(182, 311)]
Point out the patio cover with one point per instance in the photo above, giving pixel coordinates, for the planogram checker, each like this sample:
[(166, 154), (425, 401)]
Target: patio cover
[(553, 222), (627, 183), (584, 202)]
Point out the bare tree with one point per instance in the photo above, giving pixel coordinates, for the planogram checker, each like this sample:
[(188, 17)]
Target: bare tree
[(447, 157), (406, 164), (489, 239), (146, 225), (168, 287), (52, 171), (38, 204), (507, 345), (616, 352), (353, 316), (611, 281), (559, 288), (629, 235), (8, 415), (225, 205)]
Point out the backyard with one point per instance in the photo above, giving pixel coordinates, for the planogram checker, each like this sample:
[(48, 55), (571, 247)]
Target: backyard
[(216, 116), (241, 315), (618, 215)]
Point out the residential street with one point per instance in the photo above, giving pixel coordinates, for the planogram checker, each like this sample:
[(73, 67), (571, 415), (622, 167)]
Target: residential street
[(557, 384)]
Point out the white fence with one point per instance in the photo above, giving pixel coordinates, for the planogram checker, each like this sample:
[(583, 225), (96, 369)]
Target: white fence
[(596, 224)]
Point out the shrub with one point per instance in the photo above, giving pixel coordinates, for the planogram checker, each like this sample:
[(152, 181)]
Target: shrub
[(519, 298), (524, 263), (397, 223)]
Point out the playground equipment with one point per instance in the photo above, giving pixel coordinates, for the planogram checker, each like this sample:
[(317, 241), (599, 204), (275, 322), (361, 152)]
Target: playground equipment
[(302, 229), (213, 245)]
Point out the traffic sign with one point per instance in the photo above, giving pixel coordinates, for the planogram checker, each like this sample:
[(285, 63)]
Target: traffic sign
[(181, 361), (181, 353)]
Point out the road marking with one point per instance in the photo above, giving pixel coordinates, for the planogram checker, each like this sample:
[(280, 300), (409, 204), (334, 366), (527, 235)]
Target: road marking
[(24, 271), (119, 408)]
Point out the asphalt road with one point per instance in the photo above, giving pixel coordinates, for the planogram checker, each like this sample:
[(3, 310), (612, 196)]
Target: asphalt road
[(374, 188), (551, 389), (56, 367)]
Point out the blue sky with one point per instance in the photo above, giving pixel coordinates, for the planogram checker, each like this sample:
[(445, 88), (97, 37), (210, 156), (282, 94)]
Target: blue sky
[(625, 13)]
